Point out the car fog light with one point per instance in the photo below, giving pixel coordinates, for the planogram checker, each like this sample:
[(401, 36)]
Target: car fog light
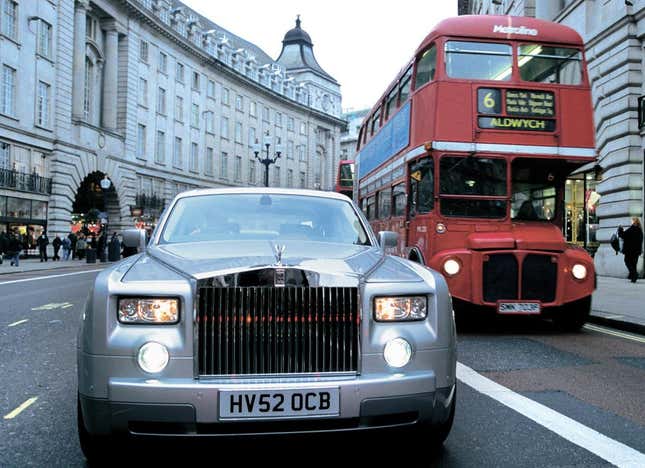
[(152, 357), (579, 271), (451, 267), (397, 352)]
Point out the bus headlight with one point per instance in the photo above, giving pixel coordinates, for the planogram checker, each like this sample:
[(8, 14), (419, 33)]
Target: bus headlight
[(451, 267), (579, 271)]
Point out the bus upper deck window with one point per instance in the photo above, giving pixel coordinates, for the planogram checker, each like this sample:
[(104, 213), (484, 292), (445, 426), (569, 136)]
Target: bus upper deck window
[(479, 60), (376, 121), (426, 67), (390, 105), (545, 64), (404, 87)]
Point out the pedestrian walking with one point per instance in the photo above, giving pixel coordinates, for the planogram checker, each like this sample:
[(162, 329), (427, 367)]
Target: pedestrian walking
[(632, 246), (73, 239), (14, 246), (81, 245), (56, 243), (67, 247), (4, 240), (43, 242)]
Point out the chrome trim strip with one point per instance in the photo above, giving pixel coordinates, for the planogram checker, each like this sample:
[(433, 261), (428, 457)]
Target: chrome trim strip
[(501, 148), (393, 165), (229, 377)]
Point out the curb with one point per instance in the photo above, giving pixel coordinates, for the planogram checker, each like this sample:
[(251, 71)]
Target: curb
[(93, 265), (618, 324)]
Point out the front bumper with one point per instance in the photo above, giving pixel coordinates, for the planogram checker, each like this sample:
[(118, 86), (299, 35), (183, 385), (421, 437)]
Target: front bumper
[(184, 407)]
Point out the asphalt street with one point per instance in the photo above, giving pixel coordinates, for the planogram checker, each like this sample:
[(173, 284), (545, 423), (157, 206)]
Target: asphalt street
[(560, 392)]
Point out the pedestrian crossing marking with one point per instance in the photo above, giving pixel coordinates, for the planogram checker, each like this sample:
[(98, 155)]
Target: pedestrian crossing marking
[(54, 306)]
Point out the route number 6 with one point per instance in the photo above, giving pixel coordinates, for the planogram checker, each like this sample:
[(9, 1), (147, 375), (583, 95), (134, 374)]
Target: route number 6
[(489, 102)]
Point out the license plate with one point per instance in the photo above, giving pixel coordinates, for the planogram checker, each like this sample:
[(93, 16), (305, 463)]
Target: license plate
[(265, 404), (518, 308)]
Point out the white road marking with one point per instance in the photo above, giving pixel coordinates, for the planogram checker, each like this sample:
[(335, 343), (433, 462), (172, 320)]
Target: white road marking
[(53, 306), (48, 277), (18, 322), (21, 408), (600, 445), (609, 331)]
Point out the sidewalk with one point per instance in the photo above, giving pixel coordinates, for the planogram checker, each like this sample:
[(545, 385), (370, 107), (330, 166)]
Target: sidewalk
[(619, 303), (34, 264)]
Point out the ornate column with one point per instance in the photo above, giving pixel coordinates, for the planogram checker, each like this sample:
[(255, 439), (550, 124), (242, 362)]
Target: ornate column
[(78, 84), (110, 75)]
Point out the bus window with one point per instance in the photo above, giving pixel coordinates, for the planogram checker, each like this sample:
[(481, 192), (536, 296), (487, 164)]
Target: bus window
[(385, 203), (390, 104), (375, 121), (533, 191), (426, 67), (404, 88), (360, 138), (545, 64), (421, 186), (364, 206), (371, 208), (478, 60), (472, 176), (398, 200)]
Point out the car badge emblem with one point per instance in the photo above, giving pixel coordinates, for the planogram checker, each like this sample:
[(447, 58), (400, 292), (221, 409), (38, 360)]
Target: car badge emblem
[(278, 250), (280, 278)]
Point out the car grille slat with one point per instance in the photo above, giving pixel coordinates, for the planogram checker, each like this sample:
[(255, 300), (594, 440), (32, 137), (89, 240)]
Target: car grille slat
[(276, 330)]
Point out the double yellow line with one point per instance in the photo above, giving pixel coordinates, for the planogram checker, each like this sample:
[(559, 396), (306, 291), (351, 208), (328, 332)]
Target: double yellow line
[(609, 331)]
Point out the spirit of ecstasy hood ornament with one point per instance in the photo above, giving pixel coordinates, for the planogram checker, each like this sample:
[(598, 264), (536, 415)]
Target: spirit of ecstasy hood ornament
[(278, 250)]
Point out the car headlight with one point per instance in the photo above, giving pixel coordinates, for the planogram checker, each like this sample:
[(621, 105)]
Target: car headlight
[(579, 271), (153, 357), (399, 309), (140, 310), (451, 267), (397, 352)]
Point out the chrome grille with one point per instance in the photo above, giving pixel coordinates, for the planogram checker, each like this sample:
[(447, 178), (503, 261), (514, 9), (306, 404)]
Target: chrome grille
[(277, 330)]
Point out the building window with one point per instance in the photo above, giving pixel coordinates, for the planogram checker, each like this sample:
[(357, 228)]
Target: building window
[(195, 83), (161, 101), (253, 109), (290, 178), (10, 19), (224, 169), (194, 157), (252, 172), (143, 92), (160, 150), (303, 128), (276, 176), (194, 115), (177, 154), (87, 92), (278, 119), (8, 97), (302, 153), (141, 142), (239, 103), (303, 179), (238, 168), (179, 108), (225, 96), (44, 45), (251, 136), (209, 118), (266, 114), (163, 62), (42, 111), (210, 89), (224, 127), (5, 153), (290, 124), (289, 149), (143, 51), (238, 132), (179, 72), (208, 169)]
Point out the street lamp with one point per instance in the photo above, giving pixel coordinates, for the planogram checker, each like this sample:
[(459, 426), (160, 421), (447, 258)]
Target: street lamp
[(105, 186), (267, 160)]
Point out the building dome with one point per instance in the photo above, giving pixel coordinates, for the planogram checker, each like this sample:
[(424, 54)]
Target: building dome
[(297, 35)]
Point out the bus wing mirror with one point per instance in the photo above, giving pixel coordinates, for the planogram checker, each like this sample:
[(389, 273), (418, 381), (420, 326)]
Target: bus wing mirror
[(135, 238), (388, 239)]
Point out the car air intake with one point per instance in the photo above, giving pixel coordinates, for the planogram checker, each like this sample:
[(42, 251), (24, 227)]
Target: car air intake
[(277, 330)]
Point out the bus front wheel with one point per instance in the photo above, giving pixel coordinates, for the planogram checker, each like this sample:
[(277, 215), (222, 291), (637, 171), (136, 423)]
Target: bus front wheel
[(571, 317)]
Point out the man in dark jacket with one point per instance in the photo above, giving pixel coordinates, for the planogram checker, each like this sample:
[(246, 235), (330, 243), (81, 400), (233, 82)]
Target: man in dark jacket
[(57, 242), (43, 242), (632, 246), (4, 240), (73, 239), (14, 248)]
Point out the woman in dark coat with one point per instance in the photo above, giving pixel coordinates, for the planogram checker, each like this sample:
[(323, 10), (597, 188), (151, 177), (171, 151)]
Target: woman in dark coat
[(632, 246)]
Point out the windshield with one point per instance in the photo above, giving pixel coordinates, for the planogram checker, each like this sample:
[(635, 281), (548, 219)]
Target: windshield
[(346, 174), (479, 60), (275, 217), (544, 64), (534, 190), (473, 176)]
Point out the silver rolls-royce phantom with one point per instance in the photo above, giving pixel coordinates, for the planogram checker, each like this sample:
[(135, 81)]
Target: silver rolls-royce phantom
[(264, 311)]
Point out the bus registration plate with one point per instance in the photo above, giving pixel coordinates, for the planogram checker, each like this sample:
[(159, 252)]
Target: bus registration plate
[(518, 307)]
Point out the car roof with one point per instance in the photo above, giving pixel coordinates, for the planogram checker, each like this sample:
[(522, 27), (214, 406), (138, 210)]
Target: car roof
[(263, 191)]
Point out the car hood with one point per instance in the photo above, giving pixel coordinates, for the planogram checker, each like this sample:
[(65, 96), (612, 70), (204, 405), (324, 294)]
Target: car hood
[(207, 259)]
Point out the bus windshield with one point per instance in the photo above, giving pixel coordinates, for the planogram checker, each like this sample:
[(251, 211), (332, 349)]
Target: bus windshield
[(545, 64), (479, 60), (533, 191), (346, 174)]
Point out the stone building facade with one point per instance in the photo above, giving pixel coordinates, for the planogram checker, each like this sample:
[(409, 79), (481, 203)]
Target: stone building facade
[(157, 99), (613, 32)]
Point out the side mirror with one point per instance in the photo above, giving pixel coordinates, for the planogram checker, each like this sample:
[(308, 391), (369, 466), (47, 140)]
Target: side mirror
[(388, 239), (135, 238)]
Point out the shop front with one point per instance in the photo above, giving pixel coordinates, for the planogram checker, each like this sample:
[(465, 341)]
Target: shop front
[(581, 208), (25, 217)]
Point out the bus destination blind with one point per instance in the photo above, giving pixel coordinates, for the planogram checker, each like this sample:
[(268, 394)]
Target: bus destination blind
[(526, 110)]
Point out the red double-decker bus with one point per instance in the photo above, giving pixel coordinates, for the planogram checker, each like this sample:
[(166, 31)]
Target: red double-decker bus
[(466, 155), (345, 177)]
